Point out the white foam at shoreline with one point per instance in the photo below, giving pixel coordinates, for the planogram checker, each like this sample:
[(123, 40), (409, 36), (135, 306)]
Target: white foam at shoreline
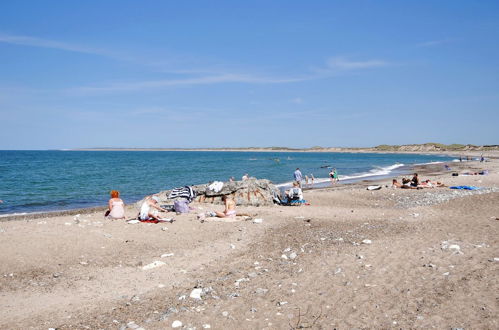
[(374, 172)]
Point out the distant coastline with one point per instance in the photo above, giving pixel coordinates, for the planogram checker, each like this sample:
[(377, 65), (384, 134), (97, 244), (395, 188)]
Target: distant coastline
[(492, 150)]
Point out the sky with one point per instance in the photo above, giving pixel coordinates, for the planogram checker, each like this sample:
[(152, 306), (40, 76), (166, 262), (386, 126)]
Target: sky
[(76, 74)]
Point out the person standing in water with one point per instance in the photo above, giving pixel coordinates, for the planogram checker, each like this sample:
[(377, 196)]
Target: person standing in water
[(331, 176)]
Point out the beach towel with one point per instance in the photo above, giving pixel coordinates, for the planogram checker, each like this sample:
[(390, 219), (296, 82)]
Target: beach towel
[(157, 221), (183, 192), (464, 187)]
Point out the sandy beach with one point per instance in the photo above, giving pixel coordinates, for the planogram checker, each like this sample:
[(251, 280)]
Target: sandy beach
[(391, 258)]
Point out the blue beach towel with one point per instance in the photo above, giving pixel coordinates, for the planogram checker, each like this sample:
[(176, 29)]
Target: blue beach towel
[(465, 187)]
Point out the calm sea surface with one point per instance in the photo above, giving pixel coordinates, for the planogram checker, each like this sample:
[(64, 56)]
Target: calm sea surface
[(33, 181)]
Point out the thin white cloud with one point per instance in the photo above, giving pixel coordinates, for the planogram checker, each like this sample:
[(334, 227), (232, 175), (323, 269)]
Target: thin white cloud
[(46, 43), (297, 100), (191, 76), (206, 80), (434, 43), (342, 63)]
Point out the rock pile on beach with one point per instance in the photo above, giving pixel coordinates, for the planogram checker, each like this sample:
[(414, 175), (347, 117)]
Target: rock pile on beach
[(250, 192)]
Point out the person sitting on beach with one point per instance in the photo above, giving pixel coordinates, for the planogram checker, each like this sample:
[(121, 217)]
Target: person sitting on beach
[(230, 208), (245, 177), (406, 184), (295, 193), (415, 180), (146, 210), (116, 206)]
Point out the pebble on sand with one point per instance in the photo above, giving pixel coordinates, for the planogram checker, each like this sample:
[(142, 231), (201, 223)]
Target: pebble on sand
[(196, 293), (176, 324), (367, 241), (154, 264)]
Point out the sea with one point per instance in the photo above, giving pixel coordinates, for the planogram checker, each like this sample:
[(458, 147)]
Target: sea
[(54, 180)]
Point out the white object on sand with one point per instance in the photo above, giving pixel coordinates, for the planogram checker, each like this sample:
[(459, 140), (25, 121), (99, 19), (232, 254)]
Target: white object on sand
[(374, 188), (367, 241), (176, 324), (257, 220), (196, 293), (166, 255), (154, 264), (132, 222)]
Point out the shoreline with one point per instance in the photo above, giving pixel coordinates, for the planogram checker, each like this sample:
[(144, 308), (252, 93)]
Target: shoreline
[(323, 184)]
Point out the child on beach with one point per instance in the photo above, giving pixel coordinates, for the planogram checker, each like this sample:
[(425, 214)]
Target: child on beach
[(334, 176), (116, 206)]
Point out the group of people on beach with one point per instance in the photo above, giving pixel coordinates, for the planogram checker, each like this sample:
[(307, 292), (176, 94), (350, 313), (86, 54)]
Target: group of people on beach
[(414, 183), (150, 208)]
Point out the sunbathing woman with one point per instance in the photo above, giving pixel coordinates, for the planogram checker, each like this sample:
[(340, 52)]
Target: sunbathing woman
[(230, 208), (116, 206), (396, 184), (429, 184)]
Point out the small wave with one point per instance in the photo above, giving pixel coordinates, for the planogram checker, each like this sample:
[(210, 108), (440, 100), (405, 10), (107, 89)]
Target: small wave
[(374, 172), (430, 163)]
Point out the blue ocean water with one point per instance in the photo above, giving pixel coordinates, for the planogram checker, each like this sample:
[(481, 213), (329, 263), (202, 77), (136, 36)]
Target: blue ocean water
[(34, 181)]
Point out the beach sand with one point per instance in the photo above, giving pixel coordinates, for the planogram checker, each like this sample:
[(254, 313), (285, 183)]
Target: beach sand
[(354, 258)]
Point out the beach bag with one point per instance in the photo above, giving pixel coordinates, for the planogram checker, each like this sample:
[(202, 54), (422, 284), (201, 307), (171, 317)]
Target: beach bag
[(181, 206)]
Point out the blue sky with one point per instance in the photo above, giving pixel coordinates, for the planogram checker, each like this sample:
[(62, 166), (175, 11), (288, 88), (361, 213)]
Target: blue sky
[(260, 73)]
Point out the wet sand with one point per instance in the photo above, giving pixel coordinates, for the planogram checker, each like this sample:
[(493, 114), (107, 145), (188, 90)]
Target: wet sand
[(354, 258)]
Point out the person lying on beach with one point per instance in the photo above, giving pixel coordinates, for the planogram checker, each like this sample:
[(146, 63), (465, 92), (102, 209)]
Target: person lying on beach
[(396, 184), (484, 172), (116, 206), (146, 210), (429, 184)]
